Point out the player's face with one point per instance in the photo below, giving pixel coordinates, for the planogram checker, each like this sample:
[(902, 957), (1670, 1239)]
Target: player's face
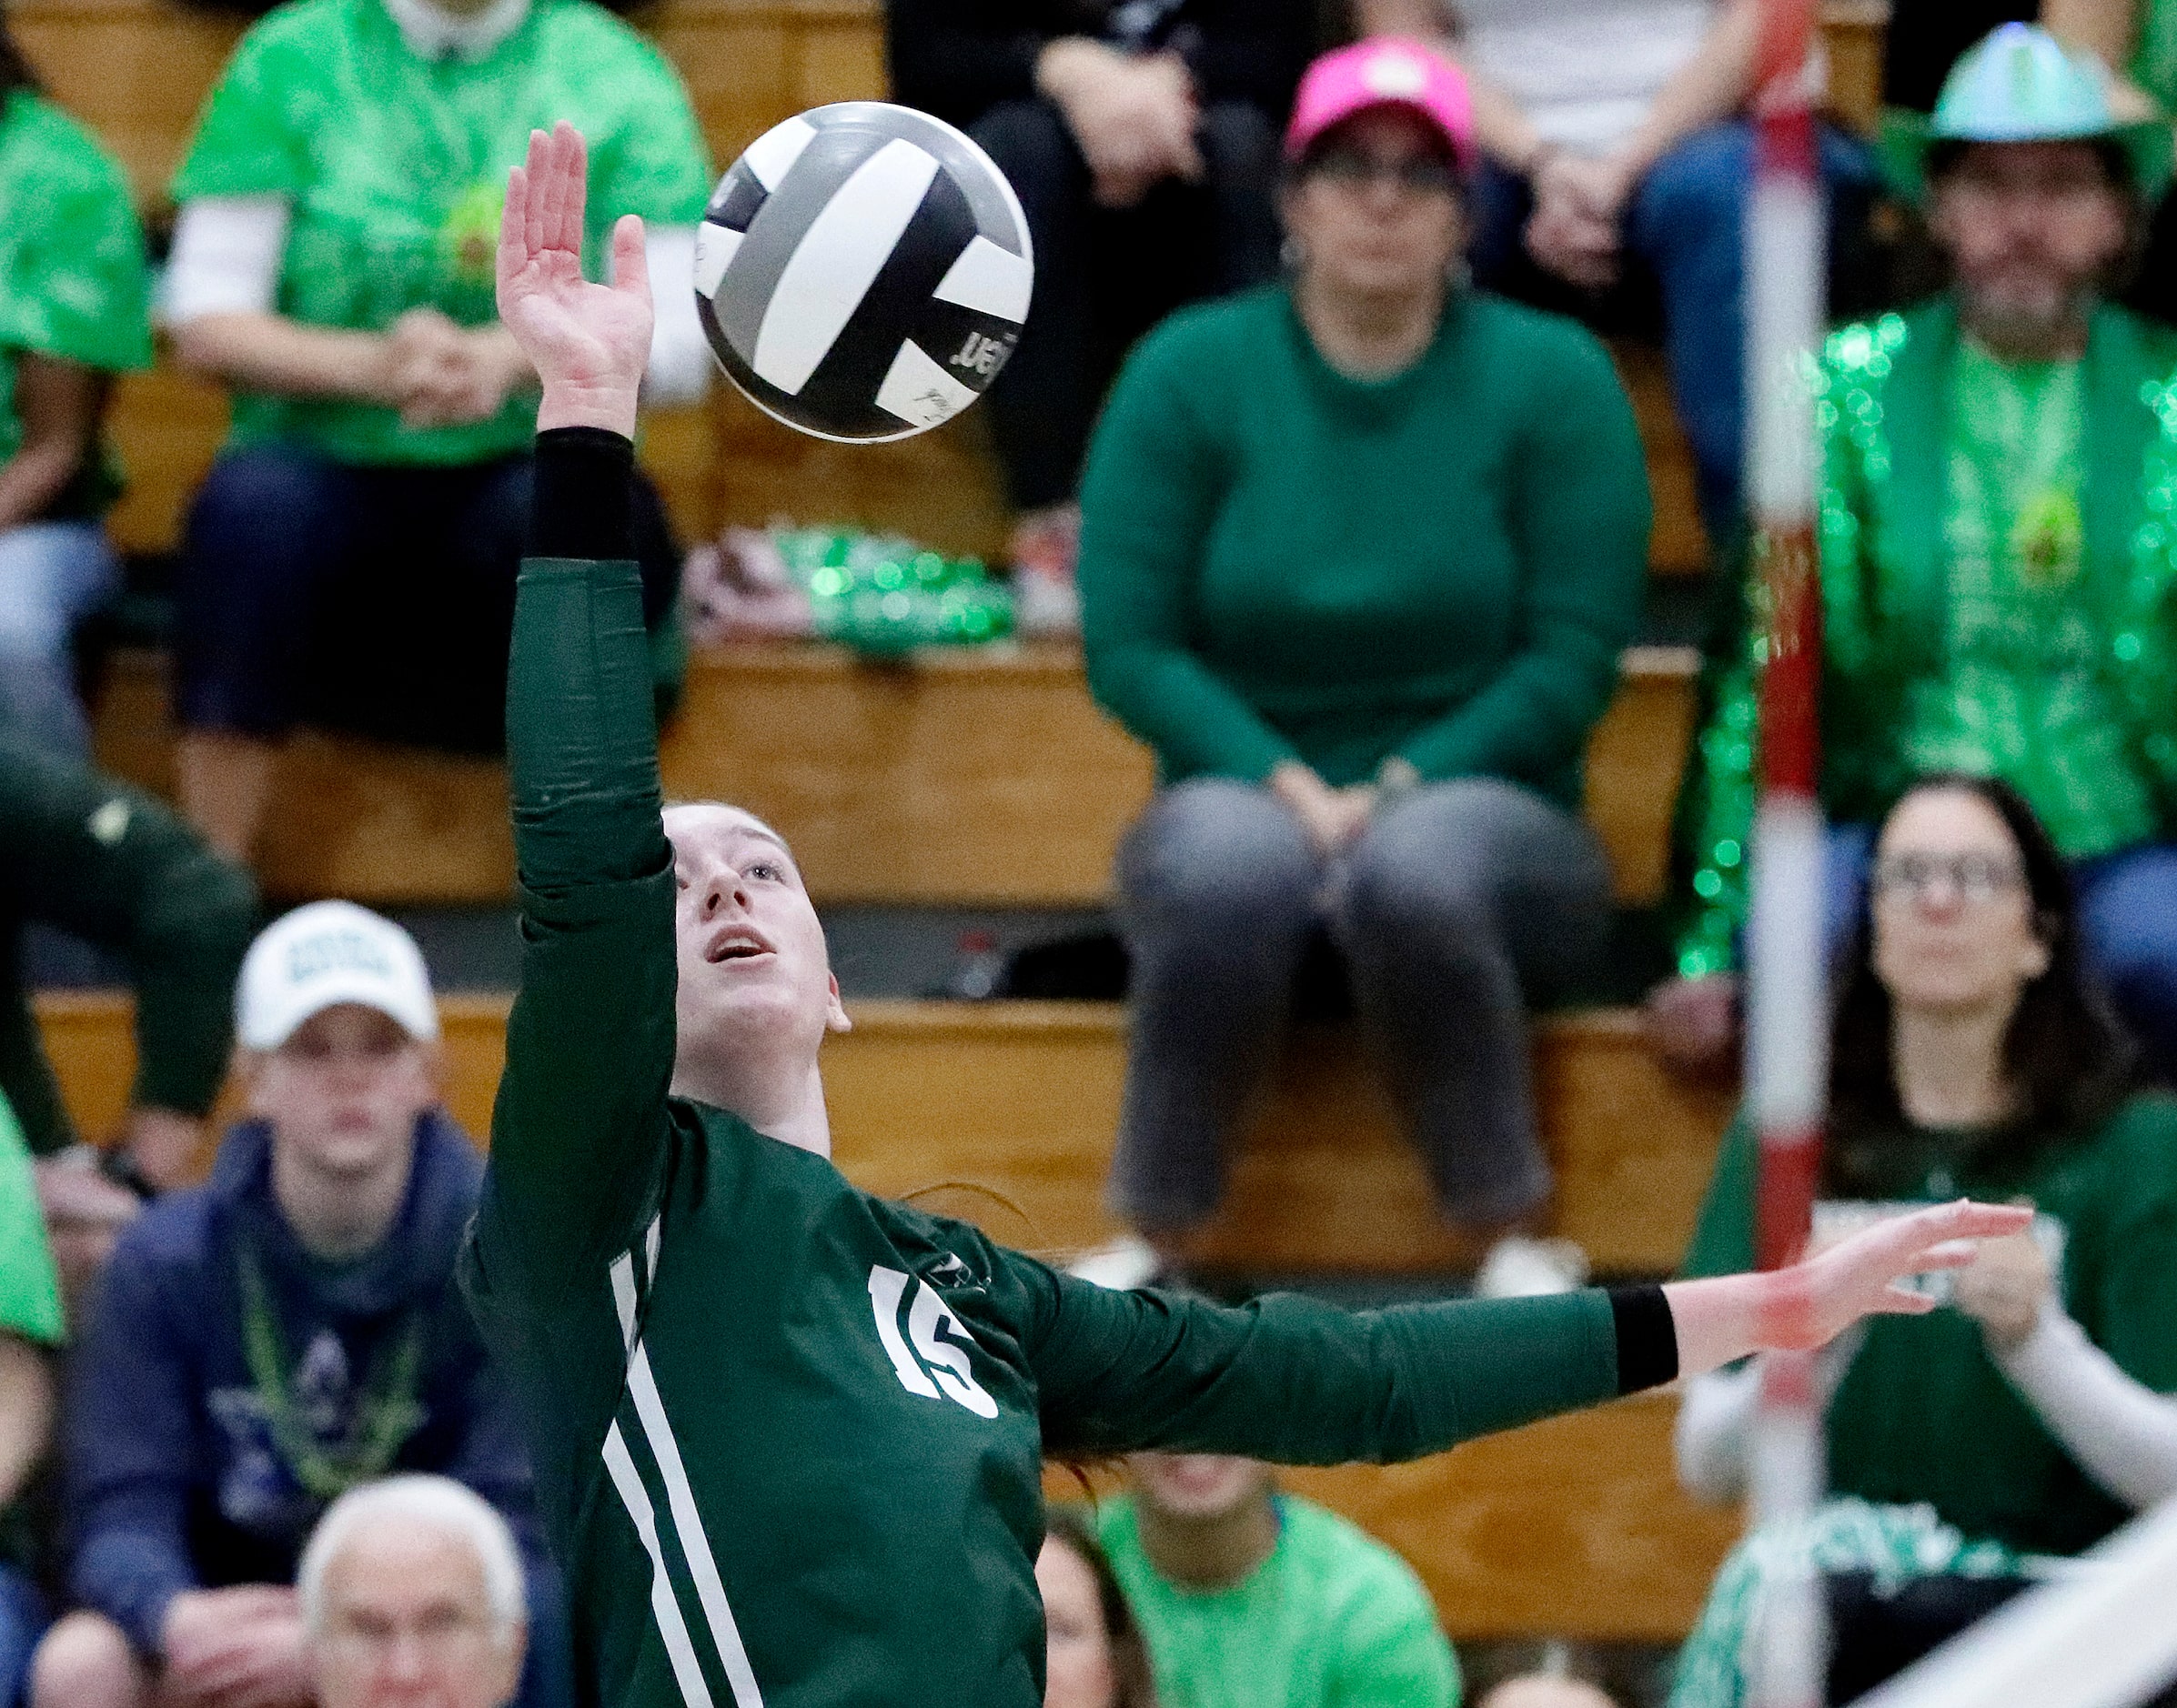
[(345, 1089), (753, 961), (1954, 928), (1198, 1485), (407, 1624), (1080, 1671), (1378, 214)]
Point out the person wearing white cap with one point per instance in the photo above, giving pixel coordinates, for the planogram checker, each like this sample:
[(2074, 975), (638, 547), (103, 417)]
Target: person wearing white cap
[(277, 1336)]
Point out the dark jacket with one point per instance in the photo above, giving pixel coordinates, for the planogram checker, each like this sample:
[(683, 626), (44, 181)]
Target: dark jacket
[(186, 1467), (959, 58), (108, 864)]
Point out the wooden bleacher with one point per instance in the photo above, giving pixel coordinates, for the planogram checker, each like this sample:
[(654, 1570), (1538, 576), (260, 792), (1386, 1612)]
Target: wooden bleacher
[(1575, 1528), (968, 777), (1021, 1098), (1572, 1529)]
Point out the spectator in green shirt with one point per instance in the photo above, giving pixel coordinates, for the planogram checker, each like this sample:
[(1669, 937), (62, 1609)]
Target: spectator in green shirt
[(2032, 1414), (1997, 555), (350, 559), (74, 312), (1253, 1598), (1359, 551)]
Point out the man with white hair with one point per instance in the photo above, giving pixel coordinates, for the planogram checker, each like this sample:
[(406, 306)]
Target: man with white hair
[(412, 1593)]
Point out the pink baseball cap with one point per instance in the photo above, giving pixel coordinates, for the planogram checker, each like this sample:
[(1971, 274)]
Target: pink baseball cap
[(1382, 71)]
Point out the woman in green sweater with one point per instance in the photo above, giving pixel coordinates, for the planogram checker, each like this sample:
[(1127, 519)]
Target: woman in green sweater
[(1969, 1052), (1359, 554)]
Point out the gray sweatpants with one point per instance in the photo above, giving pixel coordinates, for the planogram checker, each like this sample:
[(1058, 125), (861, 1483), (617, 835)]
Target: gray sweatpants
[(1459, 898)]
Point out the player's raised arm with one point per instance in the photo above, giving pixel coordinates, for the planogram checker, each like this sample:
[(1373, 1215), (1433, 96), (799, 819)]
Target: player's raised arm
[(581, 1127)]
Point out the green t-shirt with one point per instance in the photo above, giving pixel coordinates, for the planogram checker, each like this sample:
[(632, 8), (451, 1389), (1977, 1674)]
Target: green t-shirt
[(394, 167), (2023, 695), (29, 1290), (1332, 1618), (72, 284), (1924, 1414), (2155, 59)]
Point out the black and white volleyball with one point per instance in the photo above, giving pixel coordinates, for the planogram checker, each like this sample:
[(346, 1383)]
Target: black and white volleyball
[(863, 271)]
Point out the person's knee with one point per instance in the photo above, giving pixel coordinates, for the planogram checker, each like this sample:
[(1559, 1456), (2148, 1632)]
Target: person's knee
[(1238, 144), (257, 510), (264, 483), (1030, 142), (1431, 862), (1218, 851), (51, 574), (2130, 925), (84, 1661), (1700, 184)]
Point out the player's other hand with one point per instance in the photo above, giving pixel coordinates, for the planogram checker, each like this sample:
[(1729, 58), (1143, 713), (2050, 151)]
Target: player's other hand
[(1809, 1303), (1866, 1275), (588, 342)]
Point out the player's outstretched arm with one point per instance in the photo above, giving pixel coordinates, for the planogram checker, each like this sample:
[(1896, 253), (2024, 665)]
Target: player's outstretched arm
[(580, 1131), (1291, 1380)]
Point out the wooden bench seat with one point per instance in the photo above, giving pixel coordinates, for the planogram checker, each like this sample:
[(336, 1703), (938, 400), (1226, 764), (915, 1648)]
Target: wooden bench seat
[(1573, 1528), (1004, 1112), (983, 776)]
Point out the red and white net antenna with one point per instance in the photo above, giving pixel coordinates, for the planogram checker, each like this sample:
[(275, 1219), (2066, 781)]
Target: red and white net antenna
[(1786, 1007)]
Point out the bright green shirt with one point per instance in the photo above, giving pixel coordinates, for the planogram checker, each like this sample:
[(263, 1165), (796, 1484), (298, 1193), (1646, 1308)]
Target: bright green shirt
[(394, 167), (1280, 562), (29, 1290), (1924, 1414), (2155, 58), (72, 284), (1332, 1618), (2022, 693)]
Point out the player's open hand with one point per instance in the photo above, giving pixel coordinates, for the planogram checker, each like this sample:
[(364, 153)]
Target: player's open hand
[(1864, 1275), (589, 342), (1814, 1300)]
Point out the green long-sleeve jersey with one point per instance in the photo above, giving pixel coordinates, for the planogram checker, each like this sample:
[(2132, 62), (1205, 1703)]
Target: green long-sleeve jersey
[(788, 1436)]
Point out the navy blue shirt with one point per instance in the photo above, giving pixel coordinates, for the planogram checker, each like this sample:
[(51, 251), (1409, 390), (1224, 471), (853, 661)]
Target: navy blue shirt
[(229, 1382)]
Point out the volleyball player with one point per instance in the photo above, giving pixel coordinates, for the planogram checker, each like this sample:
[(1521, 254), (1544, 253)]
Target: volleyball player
[(788, 1436)]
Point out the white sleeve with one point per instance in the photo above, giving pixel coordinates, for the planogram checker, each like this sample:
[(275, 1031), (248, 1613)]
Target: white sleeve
[(226, 258), (1714, 1441), (2122, 1433), (1715, 1432), (680, 371)]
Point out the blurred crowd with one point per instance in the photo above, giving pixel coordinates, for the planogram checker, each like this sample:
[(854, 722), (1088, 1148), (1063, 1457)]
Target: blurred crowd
[(1314, 431)]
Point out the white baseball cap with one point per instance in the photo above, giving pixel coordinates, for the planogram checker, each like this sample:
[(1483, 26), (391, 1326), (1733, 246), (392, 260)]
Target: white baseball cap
[(326, 953)]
